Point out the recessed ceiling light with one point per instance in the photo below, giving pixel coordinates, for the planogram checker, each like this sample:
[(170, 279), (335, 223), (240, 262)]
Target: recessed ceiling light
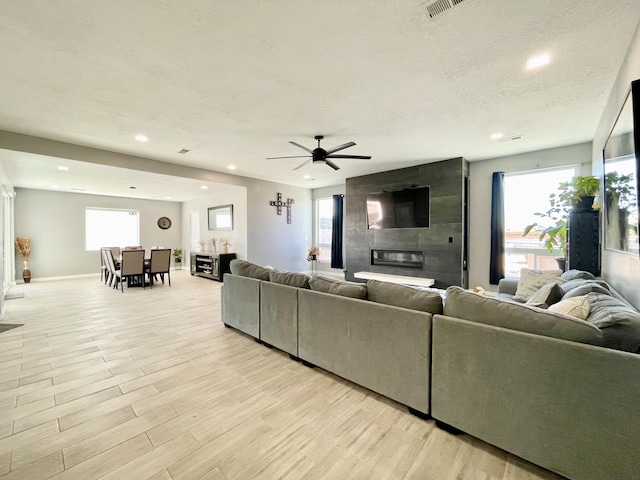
[(204, 187), (496, 136), (55, 186), (306, 176), (141, 138), (62, 168), (539, 61), (168, 198), (231, 167)]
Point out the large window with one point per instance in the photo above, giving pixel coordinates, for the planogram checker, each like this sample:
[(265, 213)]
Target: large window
[(111, 228), (324, 227), (525, 194)]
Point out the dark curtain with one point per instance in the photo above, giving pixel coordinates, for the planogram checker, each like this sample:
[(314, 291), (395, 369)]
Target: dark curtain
[(336, 234), (497, 228)]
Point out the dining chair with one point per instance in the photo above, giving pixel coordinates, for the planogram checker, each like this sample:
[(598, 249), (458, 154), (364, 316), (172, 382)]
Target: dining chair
[(103, 265), (131, 268), (159, 265), (110, 272)]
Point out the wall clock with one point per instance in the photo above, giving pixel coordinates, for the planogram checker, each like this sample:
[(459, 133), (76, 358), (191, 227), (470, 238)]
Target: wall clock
[(164, 222)]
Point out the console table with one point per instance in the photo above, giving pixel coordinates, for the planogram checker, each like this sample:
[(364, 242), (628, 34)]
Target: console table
[(211, 265), (402, 280)]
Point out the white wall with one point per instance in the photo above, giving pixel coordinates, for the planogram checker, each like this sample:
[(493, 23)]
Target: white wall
[(55, 223), (224, 195), (622, 270), (480, 198)]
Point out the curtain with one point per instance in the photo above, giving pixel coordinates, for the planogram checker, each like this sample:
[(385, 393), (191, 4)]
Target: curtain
[(336, 233), (496, 268)]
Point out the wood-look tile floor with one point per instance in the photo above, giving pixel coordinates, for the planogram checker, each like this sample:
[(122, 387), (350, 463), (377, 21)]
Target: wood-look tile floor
[(149, 384)]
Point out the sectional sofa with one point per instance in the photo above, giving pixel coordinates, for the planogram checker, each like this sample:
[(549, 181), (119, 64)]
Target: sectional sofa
[(558, 391)]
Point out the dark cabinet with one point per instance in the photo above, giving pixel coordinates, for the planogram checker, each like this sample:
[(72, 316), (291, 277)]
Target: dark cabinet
[(211, 265), (583, 237)]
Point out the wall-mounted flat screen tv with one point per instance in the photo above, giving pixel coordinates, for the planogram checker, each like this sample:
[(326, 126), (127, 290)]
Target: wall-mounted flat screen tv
[(405, 208)]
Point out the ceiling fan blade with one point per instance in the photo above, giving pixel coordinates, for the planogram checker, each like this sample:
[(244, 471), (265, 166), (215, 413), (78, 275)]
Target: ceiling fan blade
[(361, 157), (341, 147), (303, 164), (301, 146), (332, 165), (296, 156)]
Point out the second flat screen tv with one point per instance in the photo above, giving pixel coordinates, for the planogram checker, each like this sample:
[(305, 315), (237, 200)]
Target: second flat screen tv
[(405, 208)]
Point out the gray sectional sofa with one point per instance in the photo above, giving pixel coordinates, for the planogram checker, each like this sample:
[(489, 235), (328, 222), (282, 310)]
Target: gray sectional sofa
[(558, 391)]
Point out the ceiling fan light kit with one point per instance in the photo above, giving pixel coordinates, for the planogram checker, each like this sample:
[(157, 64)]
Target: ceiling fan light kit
[(320, 155)]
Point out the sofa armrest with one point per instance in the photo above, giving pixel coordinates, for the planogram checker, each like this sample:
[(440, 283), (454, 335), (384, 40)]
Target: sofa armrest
[(539, 398), (508, 285)]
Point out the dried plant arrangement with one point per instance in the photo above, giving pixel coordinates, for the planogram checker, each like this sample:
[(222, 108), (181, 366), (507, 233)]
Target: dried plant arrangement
[(23, 245)]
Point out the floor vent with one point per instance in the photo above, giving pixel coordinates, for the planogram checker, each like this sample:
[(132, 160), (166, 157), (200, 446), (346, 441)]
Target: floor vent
[(441, 6)]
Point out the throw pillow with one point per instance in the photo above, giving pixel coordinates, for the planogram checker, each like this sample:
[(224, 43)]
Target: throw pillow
[(577, 288), (291, 279), (548, 295), (578, 307), (248, 269), (577, 274), (345, 289), (404, 296), (533, 280)]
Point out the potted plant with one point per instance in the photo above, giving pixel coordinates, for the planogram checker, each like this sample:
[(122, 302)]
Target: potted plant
[(177, 258), (580, 191)]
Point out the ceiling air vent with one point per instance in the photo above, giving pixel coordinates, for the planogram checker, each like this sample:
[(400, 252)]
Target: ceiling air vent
[(441, 6), (183, 151)]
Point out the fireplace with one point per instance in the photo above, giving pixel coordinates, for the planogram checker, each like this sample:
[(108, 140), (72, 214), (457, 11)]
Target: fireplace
[(397, 258)]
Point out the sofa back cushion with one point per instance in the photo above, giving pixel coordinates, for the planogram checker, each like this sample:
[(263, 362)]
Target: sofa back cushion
[(619, 322), (291, 279), (248, 269), (336, 287), (471, 306), (404, 296)]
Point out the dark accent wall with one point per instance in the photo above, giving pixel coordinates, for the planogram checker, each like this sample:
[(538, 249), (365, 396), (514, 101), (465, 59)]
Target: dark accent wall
[(444, 261)]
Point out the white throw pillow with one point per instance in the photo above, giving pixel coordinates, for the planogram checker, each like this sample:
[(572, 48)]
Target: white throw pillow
[(533, 280), (578, 307)]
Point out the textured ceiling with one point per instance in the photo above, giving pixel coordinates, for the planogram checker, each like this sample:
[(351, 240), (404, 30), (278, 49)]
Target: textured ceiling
[(234, 82)]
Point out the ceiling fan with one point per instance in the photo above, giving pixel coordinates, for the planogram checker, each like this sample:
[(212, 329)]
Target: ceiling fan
[(321, 155)]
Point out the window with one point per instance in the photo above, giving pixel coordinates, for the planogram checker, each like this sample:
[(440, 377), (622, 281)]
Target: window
[(106, 227), (525, 194), (324, 227)]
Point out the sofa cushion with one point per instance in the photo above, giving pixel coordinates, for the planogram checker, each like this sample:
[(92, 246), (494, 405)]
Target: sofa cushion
[(574, 307), (336, 287), (516, 316), (619, 322), (577, 288), (548, 295), (291, 279), (248, 269), (533, 280), (404, 296), (577, 274)]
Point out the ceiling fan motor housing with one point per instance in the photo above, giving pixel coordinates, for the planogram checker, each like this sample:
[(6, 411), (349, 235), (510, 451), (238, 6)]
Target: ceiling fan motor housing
[(319, 154)]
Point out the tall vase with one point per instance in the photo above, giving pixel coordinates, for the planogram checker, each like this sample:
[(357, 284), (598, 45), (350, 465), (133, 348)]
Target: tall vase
[(26, 273)]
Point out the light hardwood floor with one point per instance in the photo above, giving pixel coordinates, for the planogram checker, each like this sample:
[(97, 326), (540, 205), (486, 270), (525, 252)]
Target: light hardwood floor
[(149, 384)]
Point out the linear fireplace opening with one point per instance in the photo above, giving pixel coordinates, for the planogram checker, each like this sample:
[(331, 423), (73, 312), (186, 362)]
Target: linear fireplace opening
[(397, 258)]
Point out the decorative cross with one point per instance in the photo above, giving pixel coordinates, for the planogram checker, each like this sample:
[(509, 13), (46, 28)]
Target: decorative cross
[(279, 204)]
